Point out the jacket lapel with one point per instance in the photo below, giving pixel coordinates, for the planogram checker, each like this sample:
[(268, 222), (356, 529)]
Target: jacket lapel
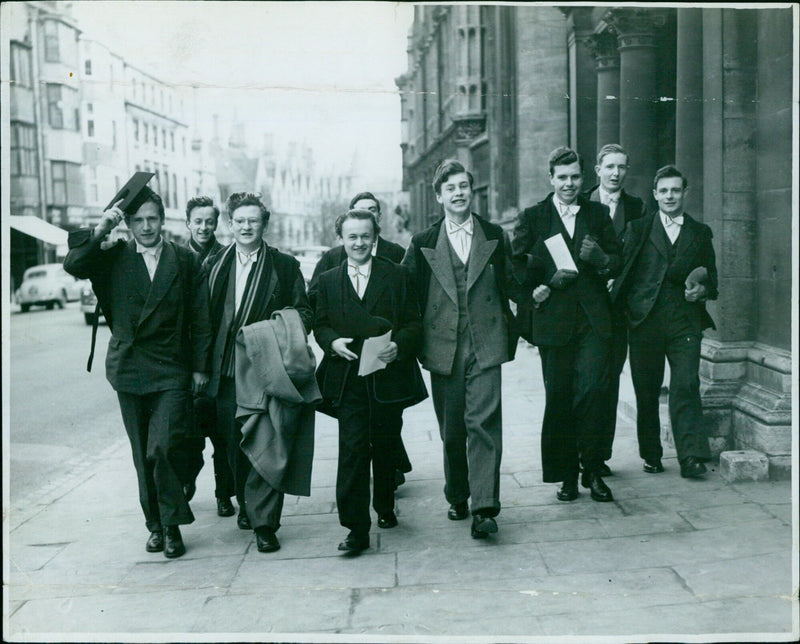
[(480, 253), (166, 272), (136, 271), (375, 286), (438, 259), (658, 236), (581, 229), (687, 240), (619, 215)]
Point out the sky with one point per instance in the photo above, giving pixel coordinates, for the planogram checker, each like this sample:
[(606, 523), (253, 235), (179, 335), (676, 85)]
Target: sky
[(315, 72)]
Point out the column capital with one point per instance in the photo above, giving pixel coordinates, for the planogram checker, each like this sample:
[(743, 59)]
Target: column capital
[(635, 27), (603, 48), (469, 126)]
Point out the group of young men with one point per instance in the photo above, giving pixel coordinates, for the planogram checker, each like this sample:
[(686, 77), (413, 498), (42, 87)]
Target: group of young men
[(203, 333)]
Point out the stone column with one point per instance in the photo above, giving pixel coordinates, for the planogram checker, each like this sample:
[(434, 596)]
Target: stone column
[(689, 106), (603, 46), (469, 117), (582, 84), (636, 29)]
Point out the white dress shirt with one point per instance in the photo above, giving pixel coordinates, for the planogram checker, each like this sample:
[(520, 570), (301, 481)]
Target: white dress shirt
[(359, 276), (568, 214), (460, 236), (151, 255), (671, 225), (610, 199), (244, 264)]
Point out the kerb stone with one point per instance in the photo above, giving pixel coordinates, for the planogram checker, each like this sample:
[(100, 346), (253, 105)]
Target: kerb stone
[(743, 465)]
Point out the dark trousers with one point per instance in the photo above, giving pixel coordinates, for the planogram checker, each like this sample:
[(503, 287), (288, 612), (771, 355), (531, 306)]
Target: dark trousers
[(575, 381), (468, 407), (402, 462), (155, 424), (368, 431), (618, 353), (668, 333), (260, 502)]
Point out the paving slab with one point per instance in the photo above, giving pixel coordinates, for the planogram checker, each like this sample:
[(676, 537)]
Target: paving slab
[(761, 575)]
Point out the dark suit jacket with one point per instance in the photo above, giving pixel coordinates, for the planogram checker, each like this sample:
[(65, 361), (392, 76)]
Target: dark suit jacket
[(389, 303), (628, 209), (553, 322), (282, 286), (694, 249), (160, 333), (336, 255)]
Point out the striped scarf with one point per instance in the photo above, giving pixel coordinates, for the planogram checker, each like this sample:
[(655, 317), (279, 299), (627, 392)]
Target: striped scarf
[(254, 306)]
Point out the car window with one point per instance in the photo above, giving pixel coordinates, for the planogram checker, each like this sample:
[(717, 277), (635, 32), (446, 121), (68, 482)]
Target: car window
[(31, 275)]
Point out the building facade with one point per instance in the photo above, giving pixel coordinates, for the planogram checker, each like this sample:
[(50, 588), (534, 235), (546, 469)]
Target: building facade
[(498, 87)]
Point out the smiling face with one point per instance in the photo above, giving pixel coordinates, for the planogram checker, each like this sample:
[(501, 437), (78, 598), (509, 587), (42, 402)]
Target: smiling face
[(669, 194), (612, 171), (567, 181), (358, 236), (202, 223), (247, 226), (145, 225), (455, 195)]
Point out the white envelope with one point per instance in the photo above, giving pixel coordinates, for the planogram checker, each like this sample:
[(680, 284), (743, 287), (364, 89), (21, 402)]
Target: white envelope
[(560, 253), (370, 362)]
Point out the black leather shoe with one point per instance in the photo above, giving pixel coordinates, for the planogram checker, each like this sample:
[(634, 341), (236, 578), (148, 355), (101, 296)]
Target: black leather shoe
[(568, 490), (156, 541), (243, 521), (173, 542), (458, 511), (355, 543), (188, 490), (399, 479), (266, 541), (691, 468), (598, 490), (653, 466), (225, 508), (482, 526), (604, 470), (388, 520)]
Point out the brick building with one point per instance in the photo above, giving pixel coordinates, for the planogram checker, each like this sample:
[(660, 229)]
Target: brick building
[(498, 87)]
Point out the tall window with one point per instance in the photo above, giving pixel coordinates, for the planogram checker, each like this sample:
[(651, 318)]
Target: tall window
[(155, 135), (172, 140), (113, 135), (66, 183), (185, 188), (146, 132), (166, 188), (51, 51), (90, 128), (136, 130), (62, 107), (87, 66), (20, 65), (164, 138), (23, 150)]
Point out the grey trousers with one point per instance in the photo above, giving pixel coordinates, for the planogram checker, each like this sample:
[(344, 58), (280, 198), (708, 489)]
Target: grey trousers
[(468, 408)]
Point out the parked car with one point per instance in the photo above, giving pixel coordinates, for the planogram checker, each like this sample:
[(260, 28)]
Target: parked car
[(48, 285), (308, 256), (89, 304)]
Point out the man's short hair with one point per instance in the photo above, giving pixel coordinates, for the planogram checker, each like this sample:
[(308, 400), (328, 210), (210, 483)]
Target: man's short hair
[(239, 199), (446, 169), (667, 172), (364, 195), (357, 214), (146, 195), (201, 202), (563, 156), (610, 148)]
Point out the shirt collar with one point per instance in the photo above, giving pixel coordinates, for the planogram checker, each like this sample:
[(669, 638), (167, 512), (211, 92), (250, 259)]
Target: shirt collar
[(375, 248), (151, 250), (453, 227), (247, 257), (608, 196), (364, 269), (564, 209), (668, 221)]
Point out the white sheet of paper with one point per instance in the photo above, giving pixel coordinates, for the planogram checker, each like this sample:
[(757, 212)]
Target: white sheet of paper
[(560, 253), (370, 362)]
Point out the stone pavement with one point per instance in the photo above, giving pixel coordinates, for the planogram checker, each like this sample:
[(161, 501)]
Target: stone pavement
[(668, 556)]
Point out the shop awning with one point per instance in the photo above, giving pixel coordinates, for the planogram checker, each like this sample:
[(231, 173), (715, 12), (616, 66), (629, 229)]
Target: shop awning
[(39, 228)]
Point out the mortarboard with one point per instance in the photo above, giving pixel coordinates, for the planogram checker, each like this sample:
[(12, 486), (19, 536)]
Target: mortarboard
[(131, 193)]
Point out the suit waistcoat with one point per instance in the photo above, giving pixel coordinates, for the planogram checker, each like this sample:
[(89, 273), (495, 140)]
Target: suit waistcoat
[(460, 273)]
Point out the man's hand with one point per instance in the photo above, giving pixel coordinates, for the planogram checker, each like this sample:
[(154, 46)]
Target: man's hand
[(388, 353), (339, 346), (109, 220), (563, 278), (199, 382), (695, 294), (541, 293), (591, 253), (610, 285)]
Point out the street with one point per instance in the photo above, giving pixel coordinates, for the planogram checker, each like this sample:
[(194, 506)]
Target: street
[(61, 416)]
